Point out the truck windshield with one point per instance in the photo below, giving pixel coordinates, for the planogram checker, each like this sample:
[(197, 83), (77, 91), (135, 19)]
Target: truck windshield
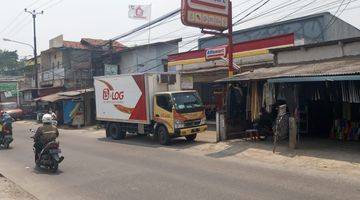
[(187, 102)]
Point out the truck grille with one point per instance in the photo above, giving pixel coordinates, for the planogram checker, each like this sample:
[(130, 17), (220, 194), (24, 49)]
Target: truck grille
[(191, 123)]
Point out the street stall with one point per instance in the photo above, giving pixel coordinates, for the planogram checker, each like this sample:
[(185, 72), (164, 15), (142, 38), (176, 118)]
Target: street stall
[(79, 108), (322, 98), (53, 102)]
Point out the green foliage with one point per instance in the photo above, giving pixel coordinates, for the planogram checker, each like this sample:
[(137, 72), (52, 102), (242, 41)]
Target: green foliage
[(10, 65)]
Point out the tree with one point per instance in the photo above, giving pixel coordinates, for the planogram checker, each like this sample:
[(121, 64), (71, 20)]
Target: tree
[(10, 65)]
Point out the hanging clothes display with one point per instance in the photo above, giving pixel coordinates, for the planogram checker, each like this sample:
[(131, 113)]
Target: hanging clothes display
[(350, 92), (255, 101), (268, 96), (248, 103), (281, 92)]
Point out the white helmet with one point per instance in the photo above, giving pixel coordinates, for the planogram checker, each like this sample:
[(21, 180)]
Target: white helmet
[(47, 119)]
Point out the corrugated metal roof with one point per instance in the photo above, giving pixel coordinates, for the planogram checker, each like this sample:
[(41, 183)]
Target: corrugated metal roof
[(52, 98), (344, 66), (76, 92)]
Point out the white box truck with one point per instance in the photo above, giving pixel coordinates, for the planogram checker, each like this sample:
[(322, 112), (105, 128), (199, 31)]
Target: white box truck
[(149, 104)]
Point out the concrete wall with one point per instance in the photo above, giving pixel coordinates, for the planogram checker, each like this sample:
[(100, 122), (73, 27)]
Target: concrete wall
[(146, 59), (78, 69), (308, 29), (319, 53), (51, 71)]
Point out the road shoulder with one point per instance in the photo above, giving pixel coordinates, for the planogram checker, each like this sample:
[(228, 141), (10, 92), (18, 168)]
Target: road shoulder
[(11, 191)]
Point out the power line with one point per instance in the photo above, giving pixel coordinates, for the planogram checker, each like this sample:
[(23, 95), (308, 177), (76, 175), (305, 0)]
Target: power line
[(251, 12), (17, 17), (53, 5), (43, 5), (269, 11), (288, 15), (245, 10), (164, 54), (327, 26), (168, 15), (33, 3)]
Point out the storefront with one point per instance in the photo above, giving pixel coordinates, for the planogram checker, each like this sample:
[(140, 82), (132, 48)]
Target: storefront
[(201, 68), (327, 107), (321, 97)]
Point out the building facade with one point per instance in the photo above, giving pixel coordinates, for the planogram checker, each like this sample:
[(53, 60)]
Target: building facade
[(138, 59), (251, 51), (308, 29), (68, 66)]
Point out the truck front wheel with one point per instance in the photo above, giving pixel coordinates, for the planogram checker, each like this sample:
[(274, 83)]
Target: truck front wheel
[(115, 132), (163, 135)]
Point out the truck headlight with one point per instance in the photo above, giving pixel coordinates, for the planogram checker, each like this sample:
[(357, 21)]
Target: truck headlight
[(203, 121), (179, 124)]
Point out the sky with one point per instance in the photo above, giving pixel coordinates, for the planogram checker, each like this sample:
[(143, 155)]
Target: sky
[(105, 19)]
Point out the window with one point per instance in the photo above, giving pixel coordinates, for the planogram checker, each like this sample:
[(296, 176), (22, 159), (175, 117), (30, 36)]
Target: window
[(187, 102), (164, 102)]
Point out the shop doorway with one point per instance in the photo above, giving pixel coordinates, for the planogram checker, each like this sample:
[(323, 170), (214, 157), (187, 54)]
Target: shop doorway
[(329, 111)]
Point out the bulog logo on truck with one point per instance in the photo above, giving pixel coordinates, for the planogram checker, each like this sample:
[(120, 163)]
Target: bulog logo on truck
[(112, 95)]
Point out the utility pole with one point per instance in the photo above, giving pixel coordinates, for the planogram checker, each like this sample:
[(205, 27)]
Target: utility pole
[(34, 14), (230, 42)]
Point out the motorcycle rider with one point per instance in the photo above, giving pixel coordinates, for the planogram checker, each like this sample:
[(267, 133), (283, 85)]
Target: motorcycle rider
[(6, 120), (44, 134)]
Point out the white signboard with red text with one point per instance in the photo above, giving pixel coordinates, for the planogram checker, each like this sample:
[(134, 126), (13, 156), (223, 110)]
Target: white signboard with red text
[(206, 14), (121, 98), (216, 52)]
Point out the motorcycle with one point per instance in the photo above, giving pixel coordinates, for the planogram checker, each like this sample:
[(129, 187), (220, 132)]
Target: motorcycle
[(49, 157), (6, 136)]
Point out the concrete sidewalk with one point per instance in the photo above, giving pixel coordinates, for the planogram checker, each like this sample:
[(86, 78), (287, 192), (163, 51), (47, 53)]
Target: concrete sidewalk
[(10, 191)]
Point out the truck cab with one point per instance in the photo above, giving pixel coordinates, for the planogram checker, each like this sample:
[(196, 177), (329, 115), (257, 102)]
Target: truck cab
[(178, 114)]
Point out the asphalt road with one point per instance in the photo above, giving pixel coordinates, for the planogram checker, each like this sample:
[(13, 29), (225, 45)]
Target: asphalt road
[(137, 168)]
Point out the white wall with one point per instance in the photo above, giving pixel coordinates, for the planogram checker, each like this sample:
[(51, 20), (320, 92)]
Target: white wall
[(319, 53)]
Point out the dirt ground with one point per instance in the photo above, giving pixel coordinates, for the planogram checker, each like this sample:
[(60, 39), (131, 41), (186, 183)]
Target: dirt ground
[(337, 157), (10, 191)]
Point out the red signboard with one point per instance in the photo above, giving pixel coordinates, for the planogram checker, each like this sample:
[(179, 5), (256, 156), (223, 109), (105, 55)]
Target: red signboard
[(205, 14)]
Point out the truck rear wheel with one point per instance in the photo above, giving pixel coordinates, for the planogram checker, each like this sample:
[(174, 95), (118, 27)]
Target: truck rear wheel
[(115, 132), (163, 135), (190, 138)]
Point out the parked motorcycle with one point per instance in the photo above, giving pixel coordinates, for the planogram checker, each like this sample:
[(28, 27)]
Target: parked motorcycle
[(6, 136), (49, 157)]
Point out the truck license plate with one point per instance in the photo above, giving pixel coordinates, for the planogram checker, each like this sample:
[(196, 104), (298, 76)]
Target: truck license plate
[(195, 130)]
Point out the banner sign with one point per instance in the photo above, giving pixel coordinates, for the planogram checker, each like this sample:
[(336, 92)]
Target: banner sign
[(216, 53), (205, 14), (110, 70), (142, 12), (9, 89)]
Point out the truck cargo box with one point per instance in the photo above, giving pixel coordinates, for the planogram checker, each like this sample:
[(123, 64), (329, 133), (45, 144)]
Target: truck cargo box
[(128, 98)]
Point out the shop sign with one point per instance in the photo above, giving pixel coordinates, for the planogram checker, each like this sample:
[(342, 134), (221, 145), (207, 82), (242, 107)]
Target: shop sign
[(9, 89), (205, 14), (216, 52), (111, 70)]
